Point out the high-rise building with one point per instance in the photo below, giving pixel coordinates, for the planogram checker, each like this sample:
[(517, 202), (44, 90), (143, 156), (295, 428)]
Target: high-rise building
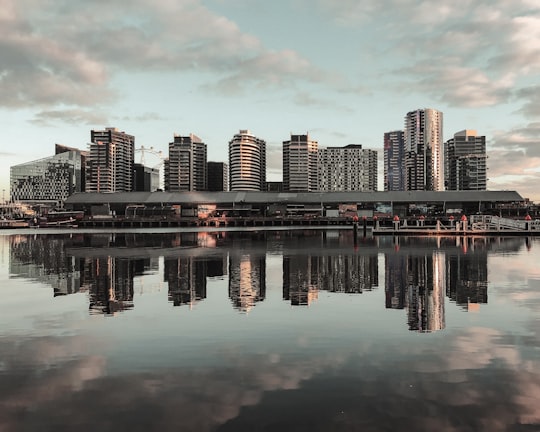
[(186, 168), (247, 162), (218, 176), (424, 166), (394, 151), (465, 161), (300, 164), (49, 180), (349, 168), (110, 162)]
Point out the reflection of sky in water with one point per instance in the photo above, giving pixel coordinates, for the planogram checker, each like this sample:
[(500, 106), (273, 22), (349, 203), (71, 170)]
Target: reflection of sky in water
[(342, 363)]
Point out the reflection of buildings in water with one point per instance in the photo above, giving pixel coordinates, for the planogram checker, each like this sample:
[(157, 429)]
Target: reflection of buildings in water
[(247, 280), (300, 279), (426, 278), (348, 273), (186, 277), (43, 258), (425, 292), (467, 279), (305, 275), (109, 282), (216, 267), (395, 281)]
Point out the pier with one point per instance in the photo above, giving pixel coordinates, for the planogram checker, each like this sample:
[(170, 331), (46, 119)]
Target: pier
[(474, 225), (480, 225), (217, 222)]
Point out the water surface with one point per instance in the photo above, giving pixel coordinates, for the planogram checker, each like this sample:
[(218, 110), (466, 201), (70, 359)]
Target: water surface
[(279, 330)]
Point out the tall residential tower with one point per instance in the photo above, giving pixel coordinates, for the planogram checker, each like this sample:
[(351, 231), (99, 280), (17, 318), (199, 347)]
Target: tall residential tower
[(424, 166), (185, 169), (300, 164), (110, 161), (394, 150), (247, 162), (349, 168), (465, 161)]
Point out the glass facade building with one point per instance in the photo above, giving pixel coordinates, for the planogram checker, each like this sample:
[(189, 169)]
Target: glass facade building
[(394, 151), (49, 180)]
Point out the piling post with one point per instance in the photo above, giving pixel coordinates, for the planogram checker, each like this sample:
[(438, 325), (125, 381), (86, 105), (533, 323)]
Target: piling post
[(396, 223), (364, 223), (528, 222)]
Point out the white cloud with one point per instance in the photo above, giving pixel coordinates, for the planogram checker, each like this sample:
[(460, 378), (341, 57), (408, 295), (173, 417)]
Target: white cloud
[(531, 97), (65, 52), (73, 116), (458, 85), (514, 160), (465, 53)]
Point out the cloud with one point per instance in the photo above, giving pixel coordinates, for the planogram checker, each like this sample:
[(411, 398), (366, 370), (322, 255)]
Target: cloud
[(69, 386), (72, 116), (525, 140), (145, 117), (65, 52), (514, 160), (458, 86), (270, 69), (36, 69), (274, 158), (464, 53), (531, 97)]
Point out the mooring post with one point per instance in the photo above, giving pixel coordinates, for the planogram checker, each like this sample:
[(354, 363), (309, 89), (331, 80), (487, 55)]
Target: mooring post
[(396, 223), (464, 222), (528, 222), (364, 222)]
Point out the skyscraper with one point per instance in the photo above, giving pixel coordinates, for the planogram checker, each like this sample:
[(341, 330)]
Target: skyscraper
[(247, 162), (300, 164), (186, 167), (110, 162), (424, 167), (349, 168), (465, 161), (394, 150)]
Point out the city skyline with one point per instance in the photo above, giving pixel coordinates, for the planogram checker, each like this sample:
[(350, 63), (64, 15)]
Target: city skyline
[(212, 68)]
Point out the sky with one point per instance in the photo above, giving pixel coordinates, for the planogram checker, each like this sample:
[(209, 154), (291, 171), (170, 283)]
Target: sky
[(345, 72)]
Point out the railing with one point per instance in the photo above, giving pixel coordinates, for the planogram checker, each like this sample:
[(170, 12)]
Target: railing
[(498, 223)]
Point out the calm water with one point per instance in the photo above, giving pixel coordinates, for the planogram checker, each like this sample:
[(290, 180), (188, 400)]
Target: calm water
[(300, 330)]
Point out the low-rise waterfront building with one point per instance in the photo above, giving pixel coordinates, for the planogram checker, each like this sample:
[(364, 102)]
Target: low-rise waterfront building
[(307, 205)]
